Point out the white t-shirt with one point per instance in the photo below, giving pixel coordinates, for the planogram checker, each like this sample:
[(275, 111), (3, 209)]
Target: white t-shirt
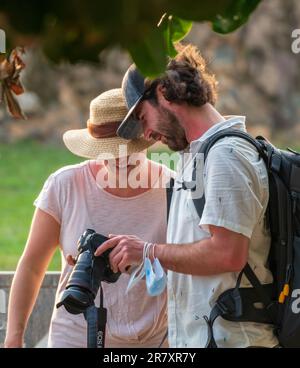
[(72, 197), (236, 196)]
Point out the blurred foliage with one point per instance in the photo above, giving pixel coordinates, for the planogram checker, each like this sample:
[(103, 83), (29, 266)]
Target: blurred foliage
[(79, 30), (10, 84)]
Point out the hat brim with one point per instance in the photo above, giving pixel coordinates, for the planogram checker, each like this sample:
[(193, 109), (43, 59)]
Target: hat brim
[(81, 143), (131, 128)]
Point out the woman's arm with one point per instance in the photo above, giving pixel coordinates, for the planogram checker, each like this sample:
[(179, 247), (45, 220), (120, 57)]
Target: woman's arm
[(41, 243)]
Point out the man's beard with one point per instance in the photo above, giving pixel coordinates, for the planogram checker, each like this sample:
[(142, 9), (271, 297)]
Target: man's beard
[(169, 126)]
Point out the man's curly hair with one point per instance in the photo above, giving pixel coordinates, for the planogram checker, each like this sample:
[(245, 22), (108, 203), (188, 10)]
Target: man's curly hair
[(187, 79)]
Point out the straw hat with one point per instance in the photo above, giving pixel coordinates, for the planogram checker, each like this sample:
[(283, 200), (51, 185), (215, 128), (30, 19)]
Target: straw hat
[(100, 137)]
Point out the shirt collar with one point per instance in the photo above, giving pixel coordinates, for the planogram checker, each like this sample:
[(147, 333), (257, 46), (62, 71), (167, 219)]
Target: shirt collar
[(231, 121)]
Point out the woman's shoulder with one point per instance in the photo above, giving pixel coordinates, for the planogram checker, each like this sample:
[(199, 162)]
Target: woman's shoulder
[(68, 172)]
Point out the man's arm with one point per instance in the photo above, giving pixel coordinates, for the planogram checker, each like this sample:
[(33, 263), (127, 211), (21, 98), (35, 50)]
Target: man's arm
[(225, 251)]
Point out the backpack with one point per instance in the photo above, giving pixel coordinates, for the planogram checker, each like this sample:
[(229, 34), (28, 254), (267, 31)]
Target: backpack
[(277, 303)]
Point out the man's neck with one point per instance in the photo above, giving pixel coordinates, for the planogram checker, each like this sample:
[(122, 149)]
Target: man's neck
[(197, 120)]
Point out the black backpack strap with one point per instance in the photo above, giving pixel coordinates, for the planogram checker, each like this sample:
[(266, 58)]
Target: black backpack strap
[(192, 185), (230, 132), (169, 193), (205, 148), (228, 303), (269, 304), (238, 305)]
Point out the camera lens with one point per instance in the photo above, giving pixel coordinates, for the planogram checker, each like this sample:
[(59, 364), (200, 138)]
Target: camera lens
[(88, 272), (75, 300)]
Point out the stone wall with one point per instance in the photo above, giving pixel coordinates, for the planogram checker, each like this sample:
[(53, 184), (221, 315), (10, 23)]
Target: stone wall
[(37, 331), (257, 71)]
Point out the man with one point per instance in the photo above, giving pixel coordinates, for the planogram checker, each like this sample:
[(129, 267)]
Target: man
[(203, 255)]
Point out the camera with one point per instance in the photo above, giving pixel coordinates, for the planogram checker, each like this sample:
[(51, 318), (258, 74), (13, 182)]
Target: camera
[(88, 272)]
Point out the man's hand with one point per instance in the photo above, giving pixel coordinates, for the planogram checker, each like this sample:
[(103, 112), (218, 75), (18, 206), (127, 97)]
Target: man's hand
[(128, 251)]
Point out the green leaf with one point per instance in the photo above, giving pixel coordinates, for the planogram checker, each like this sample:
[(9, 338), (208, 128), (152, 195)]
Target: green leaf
[(179, 28), (149, 55), (235, 16), (225, 15), (164, 25), (174, 29), (196, 10)]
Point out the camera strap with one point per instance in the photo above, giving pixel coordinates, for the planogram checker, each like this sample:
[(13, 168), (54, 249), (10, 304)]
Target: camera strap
[(96, 322), (101, 322)]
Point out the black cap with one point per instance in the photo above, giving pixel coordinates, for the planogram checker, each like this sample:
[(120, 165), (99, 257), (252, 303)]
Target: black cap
[(133, 87)]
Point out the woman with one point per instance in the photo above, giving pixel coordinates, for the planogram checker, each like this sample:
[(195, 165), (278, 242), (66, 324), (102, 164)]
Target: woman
[(101, 194)]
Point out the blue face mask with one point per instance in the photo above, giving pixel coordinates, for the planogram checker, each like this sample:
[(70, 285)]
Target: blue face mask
[(139, 272), (156, 278)]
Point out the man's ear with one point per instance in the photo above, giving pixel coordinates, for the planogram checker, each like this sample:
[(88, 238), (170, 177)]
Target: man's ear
[(161, 97)]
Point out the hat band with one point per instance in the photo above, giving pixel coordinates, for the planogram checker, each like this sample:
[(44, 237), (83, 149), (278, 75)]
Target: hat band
[(107, 130)]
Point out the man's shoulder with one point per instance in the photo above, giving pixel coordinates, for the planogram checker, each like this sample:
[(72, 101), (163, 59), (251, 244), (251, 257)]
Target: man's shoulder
[(233, 149), (236, 157)]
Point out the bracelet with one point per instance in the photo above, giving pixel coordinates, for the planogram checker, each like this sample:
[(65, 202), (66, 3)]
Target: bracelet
[(153, 250), (147, 247)]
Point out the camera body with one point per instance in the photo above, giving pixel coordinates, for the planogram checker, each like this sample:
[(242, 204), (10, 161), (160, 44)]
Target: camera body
[(88, 272)]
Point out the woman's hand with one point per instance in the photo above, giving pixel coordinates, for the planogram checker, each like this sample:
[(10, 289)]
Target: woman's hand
[(70, 260)]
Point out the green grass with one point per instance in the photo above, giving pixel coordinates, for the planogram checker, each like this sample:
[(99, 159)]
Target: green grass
[(23, 169)]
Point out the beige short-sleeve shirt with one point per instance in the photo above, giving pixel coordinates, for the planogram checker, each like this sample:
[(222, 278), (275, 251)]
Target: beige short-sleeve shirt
[(72, 197)]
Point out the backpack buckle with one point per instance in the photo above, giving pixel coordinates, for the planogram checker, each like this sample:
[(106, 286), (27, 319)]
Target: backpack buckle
[(222, 307)]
